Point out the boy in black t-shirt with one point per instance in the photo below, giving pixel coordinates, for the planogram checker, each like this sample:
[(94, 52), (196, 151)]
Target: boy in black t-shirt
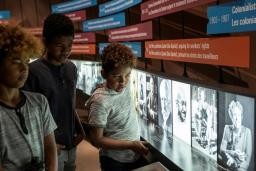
[(55, 76)]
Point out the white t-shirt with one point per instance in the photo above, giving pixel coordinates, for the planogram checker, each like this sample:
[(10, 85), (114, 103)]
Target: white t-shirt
[(115, 112), (16, 147)]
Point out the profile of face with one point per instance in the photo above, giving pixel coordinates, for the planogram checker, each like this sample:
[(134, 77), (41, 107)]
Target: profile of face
[(236, 113), (16, 70), (118, 78), (181, 106), (59, 49), (165, 99)]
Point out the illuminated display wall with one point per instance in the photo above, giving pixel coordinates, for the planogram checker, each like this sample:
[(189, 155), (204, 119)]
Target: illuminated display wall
[(218, 124)]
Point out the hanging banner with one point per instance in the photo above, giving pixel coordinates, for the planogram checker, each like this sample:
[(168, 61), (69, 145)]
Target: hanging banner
[(238, 16), (37, 31), (117, 20), (229, 51), (77, 15), (141, 31), (73, 5), (85, 37), (86, 49), (115, 6), (155, 8), (134, 46), (5, 15)]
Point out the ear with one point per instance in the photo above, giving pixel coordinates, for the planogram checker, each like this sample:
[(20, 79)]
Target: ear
[(103, 74)]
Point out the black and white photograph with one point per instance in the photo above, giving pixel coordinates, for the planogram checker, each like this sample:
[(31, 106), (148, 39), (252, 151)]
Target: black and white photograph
[(96, 76), (141, 94), (165, 104), (80, 74), (151, 82), (99, 78), (88, 77), (204, 120), (181, 111), (134, 88), (236, 132)]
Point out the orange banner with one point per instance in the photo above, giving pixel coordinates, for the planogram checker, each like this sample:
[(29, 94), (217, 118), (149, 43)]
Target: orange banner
[(37, 31), (4, 21), (89, 49), (228, 51)]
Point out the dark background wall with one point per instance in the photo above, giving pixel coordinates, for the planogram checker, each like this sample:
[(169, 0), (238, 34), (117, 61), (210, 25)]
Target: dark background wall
[(185, 24)]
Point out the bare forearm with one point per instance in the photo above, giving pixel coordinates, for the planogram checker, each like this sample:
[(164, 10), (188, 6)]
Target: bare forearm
[(51, 159), (50, 153), (100, 141), (109, 143)]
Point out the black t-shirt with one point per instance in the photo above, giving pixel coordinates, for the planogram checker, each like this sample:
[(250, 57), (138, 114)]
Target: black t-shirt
[(58, 84)]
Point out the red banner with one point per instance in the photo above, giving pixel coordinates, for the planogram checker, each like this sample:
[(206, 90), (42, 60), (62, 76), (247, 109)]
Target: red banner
[(4, 21), (77, 15), (156, 8), (89, 49), (85, 37), (141, 31), (230, 51)]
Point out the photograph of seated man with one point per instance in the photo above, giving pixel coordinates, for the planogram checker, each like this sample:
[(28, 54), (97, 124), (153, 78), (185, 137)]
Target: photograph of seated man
[(165, 104), (152, 98), (235, 151), (204, 120)]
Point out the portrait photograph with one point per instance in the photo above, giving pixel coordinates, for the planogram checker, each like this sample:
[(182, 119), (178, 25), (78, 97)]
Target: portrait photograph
[(181, 111), (141, 79), (88, 78), (165, 105), (204, 120), (80, 80), (151, 93), (134, 88), (236, 132)]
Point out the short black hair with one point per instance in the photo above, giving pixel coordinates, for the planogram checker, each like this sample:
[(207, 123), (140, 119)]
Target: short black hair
[(57, 25)]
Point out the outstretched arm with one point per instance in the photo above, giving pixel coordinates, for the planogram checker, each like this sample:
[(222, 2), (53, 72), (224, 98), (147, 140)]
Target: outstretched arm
[(100, 141), (50, 152)]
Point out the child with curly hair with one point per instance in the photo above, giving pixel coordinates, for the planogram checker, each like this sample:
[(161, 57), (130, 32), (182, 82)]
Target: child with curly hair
[(112, 115), (26, 125)]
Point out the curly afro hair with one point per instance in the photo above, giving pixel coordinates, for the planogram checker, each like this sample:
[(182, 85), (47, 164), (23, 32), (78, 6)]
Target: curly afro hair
[(57, 25), (16, 41), (115, 55)]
